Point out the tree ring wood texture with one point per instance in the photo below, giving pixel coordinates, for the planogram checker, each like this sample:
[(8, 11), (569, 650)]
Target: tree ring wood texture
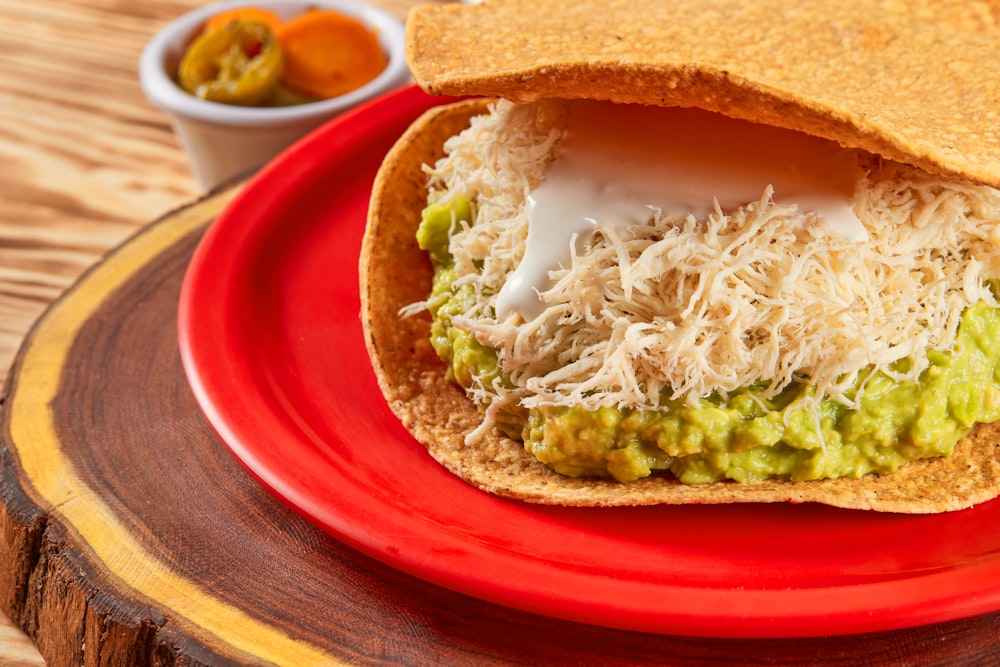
[(129, 535)]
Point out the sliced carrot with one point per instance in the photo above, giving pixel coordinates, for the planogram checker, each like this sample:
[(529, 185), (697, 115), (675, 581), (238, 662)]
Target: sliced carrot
[(255, 14), (329, 54)]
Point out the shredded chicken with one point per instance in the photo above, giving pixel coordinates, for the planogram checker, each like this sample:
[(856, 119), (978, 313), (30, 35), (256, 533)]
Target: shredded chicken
[(686, 307)]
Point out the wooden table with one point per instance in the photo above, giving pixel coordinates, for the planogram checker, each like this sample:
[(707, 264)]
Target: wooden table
[(85, 160), (86, 163)]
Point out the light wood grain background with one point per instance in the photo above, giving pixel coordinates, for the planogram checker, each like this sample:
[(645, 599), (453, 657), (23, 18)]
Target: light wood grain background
[(85, 160)]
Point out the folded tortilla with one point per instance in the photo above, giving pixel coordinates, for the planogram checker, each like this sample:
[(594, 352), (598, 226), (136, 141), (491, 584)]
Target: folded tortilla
[(914, 82)]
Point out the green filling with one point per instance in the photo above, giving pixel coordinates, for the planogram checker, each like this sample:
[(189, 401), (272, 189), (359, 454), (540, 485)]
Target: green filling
[(745, 437)]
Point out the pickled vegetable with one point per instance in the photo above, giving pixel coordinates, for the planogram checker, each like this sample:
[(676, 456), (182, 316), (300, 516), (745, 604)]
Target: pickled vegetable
[(329, 54), (250, 56), (240, 63), (255, 14)]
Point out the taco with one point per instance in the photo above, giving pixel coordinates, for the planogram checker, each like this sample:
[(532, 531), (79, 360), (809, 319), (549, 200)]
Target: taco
[(746, 351)]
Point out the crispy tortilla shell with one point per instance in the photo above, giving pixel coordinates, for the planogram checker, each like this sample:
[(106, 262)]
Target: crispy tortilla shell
[(917, 82), (394, 273)]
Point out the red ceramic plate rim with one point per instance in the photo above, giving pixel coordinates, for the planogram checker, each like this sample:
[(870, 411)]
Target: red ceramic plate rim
[(237, 372)]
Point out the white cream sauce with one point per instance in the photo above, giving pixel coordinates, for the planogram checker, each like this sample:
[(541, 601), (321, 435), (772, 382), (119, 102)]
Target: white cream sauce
[(618, 162)]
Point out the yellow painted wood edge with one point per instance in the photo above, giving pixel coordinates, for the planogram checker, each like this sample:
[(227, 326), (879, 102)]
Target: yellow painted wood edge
[(55, 482)]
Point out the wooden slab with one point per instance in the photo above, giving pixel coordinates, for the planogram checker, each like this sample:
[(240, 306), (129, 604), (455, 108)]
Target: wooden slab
[(128, 535)]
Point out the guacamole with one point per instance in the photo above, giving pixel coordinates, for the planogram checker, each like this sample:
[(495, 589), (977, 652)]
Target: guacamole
[(745, 436)]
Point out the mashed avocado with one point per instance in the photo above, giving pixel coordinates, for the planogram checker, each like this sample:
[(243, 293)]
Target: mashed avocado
[(745, 437)]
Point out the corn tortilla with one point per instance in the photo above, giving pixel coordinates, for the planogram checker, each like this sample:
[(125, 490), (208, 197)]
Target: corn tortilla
[(394, 273), (916, 82)]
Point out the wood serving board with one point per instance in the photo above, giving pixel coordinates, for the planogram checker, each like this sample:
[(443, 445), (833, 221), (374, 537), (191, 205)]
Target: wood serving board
[(129, 535)]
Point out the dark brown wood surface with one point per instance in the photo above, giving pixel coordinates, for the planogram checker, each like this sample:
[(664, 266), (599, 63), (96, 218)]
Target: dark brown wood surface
[(129, 535)]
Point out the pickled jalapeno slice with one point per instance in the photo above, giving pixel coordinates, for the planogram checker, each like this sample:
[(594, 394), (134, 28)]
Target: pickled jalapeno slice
[(240, 63)]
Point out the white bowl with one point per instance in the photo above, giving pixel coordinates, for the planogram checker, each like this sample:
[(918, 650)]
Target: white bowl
[(222, 140)]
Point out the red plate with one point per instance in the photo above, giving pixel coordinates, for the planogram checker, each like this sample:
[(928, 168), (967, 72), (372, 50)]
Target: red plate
[(272, 344)]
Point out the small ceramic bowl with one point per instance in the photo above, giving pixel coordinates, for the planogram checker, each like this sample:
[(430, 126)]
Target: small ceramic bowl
[(222, 140)]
